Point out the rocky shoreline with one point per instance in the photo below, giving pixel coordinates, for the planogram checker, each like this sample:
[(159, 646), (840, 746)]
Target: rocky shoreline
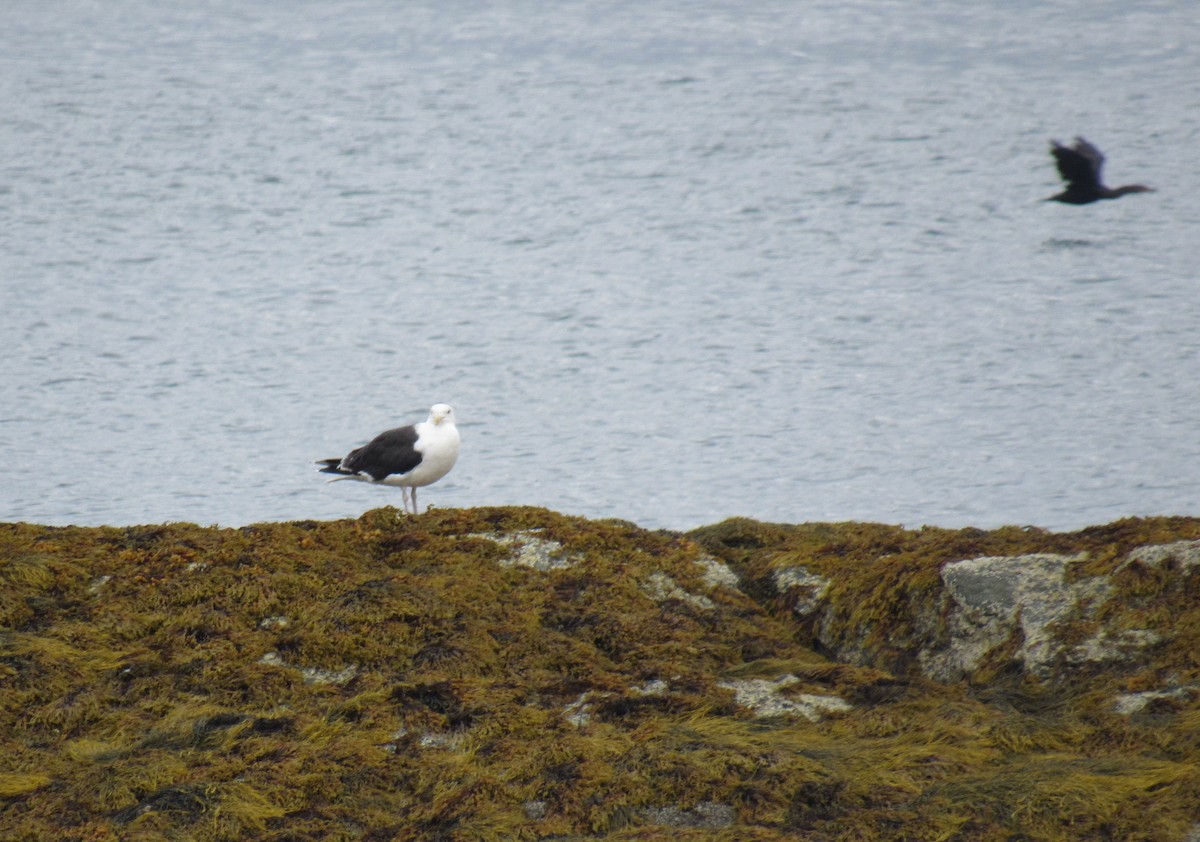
[(514, 673)]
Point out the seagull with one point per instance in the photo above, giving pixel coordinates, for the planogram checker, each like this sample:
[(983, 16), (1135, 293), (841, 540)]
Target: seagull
[(410, 457), (1079, 165)]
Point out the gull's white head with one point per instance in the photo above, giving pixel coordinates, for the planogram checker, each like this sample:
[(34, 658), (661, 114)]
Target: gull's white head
[(441, 413)]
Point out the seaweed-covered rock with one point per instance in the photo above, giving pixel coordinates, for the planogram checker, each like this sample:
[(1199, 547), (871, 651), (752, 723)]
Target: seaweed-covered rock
[(944, 604), (512, 673)]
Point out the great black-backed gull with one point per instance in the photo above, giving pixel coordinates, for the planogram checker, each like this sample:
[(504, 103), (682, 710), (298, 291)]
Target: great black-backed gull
[(409, 457)]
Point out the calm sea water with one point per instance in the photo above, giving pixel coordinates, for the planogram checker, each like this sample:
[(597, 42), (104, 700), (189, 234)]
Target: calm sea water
[(669, 262)]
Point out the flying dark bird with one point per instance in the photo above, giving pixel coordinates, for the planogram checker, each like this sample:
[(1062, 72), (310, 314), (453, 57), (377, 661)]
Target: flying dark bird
[(1079, 165), (408, 457)]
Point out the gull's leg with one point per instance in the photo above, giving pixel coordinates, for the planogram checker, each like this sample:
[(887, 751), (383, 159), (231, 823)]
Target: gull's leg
[(414, 492)]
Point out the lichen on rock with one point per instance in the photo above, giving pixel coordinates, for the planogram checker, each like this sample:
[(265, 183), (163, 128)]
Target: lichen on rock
[(529, 548)]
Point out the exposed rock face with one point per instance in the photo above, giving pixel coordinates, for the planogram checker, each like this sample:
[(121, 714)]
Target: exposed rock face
[(1128, 704), (764, 698), (992, 599), (1182, 556), (705, 814), (807, 591)]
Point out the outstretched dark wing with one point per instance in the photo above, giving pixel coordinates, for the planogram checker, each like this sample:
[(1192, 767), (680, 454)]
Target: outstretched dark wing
[(1079, 165), (1094, 156), (393, 452)]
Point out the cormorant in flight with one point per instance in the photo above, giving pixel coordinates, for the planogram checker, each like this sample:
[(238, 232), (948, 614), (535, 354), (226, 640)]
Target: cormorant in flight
[(1079, 165)]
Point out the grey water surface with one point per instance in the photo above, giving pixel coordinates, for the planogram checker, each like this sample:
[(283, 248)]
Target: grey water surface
[(670, 262)]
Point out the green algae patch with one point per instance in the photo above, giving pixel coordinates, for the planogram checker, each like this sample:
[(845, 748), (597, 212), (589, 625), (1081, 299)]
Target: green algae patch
[(514, 673)]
